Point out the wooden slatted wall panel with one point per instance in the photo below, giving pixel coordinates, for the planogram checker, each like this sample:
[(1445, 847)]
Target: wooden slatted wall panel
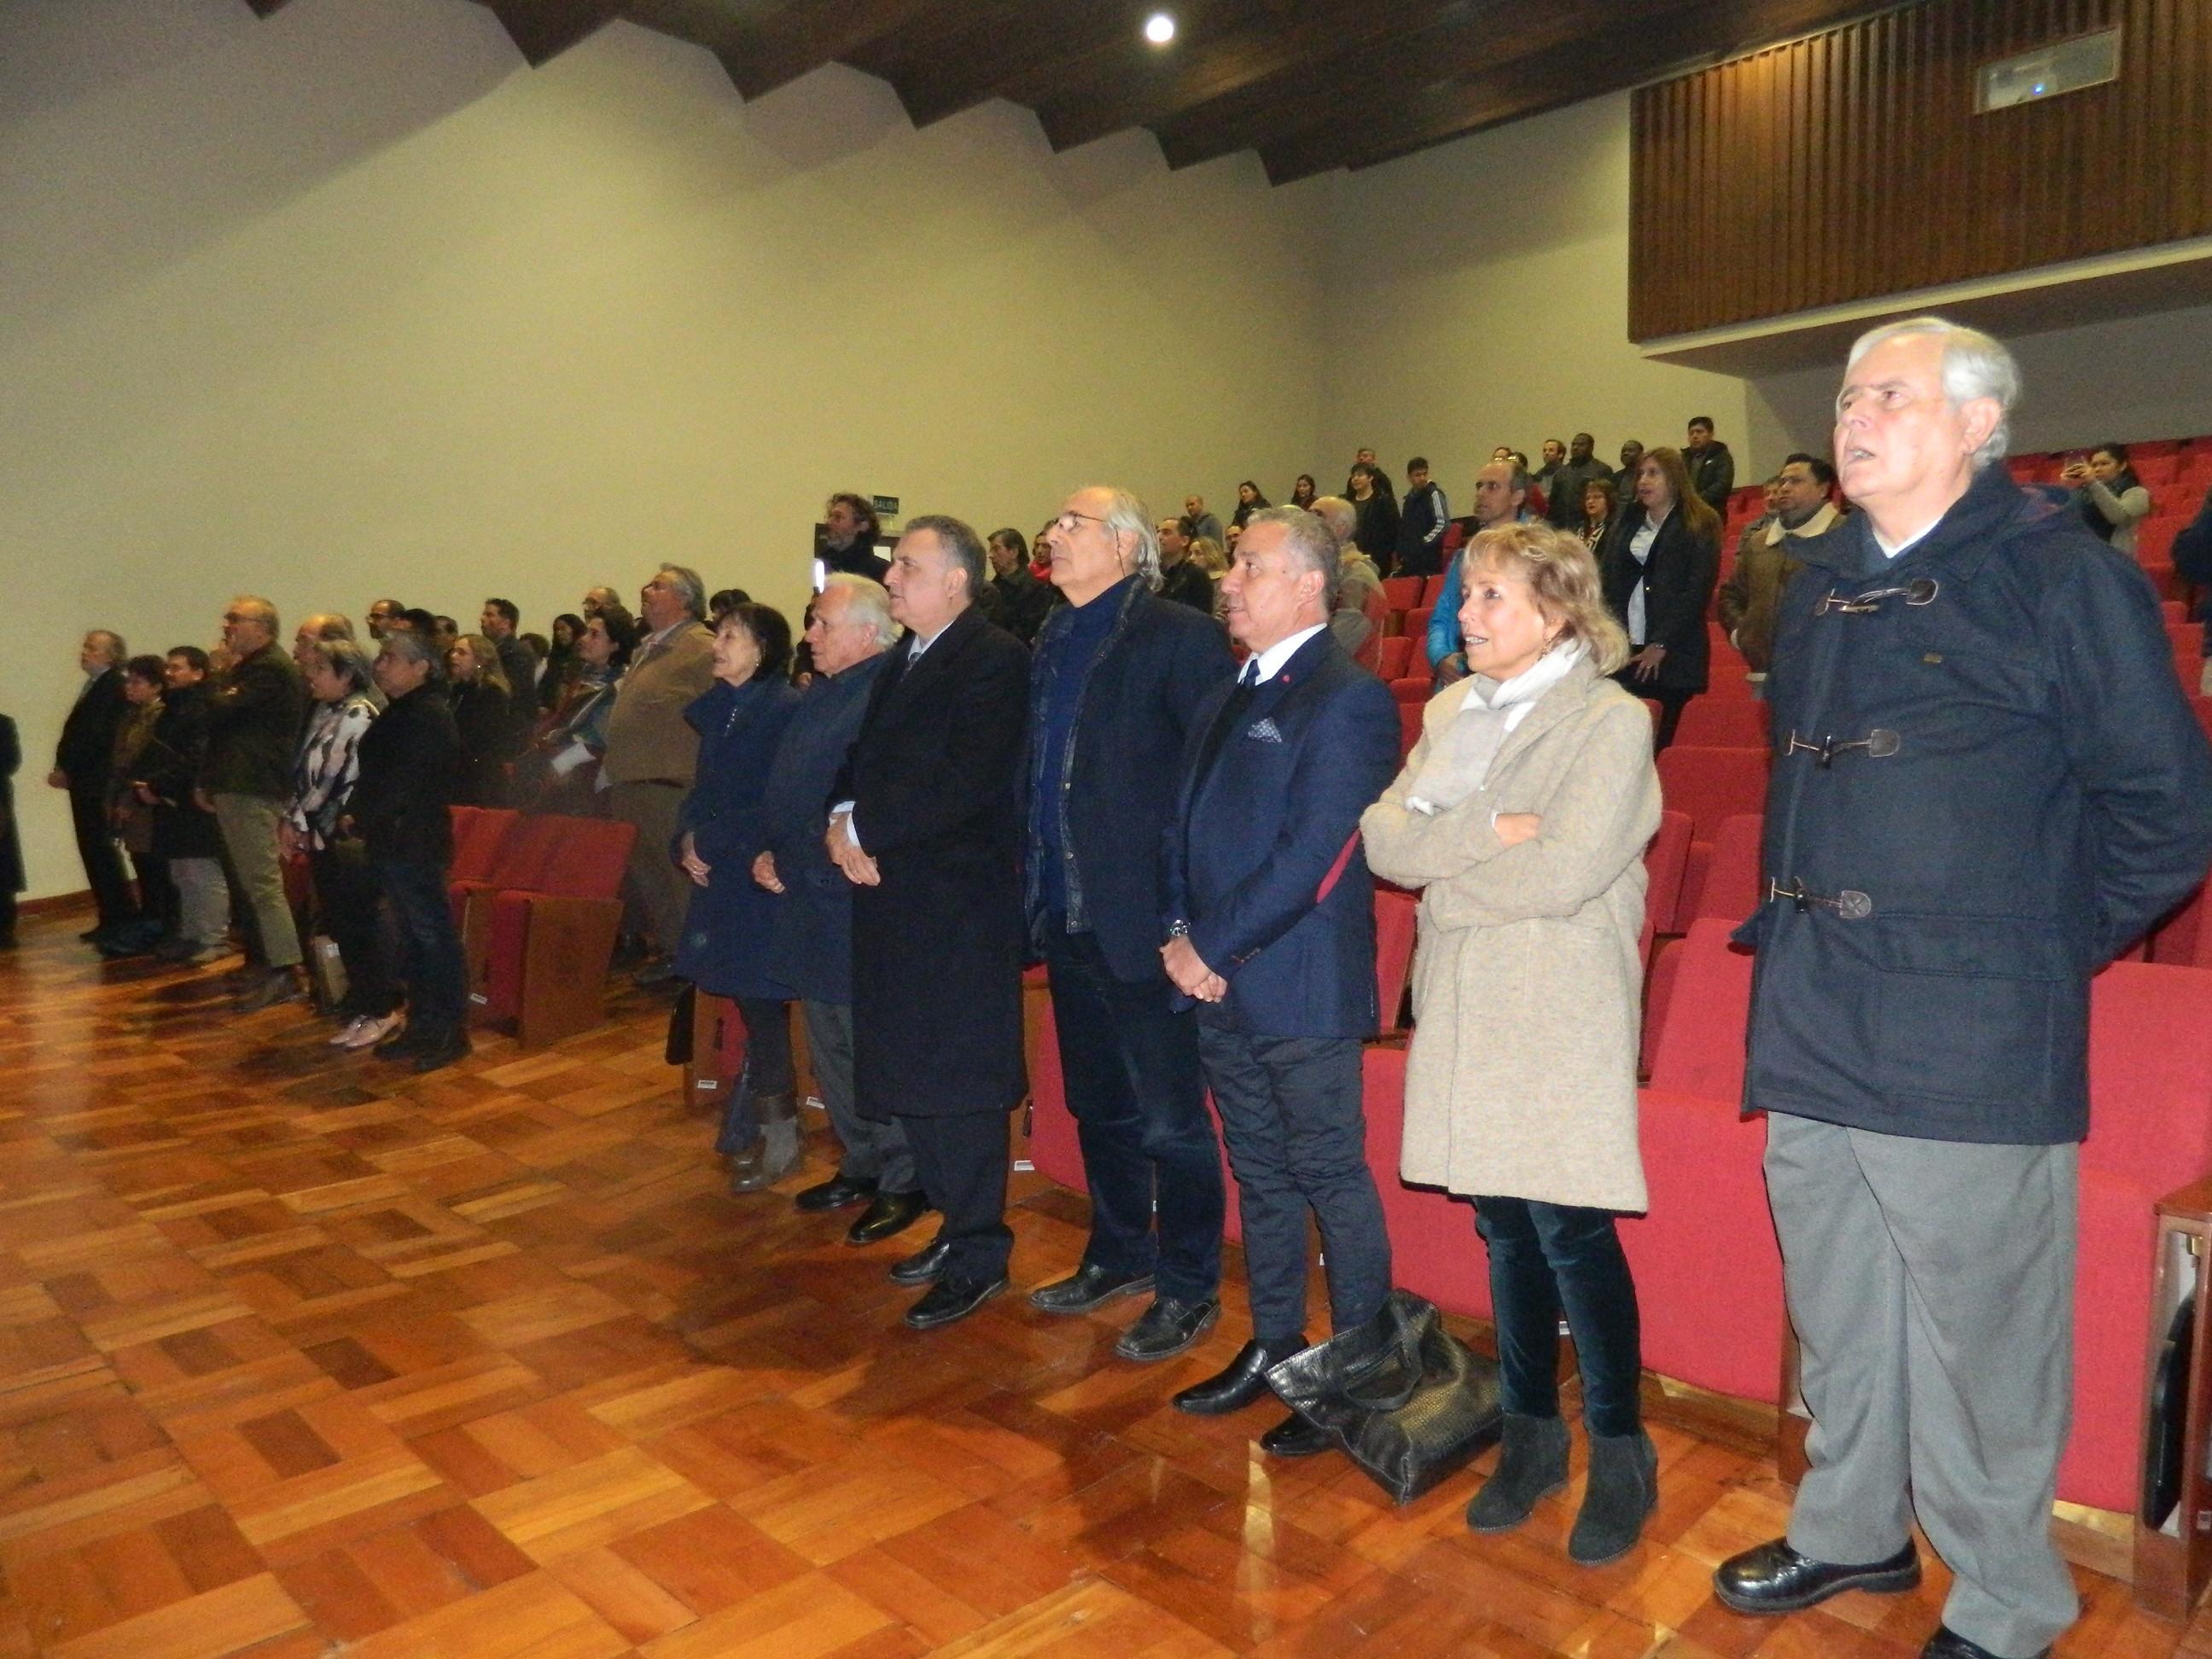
[(1851, 164)]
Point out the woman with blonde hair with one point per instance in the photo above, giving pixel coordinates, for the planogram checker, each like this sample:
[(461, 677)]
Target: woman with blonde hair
[(483, 709), (1522, 812)]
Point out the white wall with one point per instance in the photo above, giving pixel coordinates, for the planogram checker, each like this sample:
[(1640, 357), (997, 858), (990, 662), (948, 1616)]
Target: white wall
[(351, 301), (1478, 294)]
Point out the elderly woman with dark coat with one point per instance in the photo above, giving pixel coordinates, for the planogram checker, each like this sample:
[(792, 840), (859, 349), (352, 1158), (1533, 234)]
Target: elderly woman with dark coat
[(1522, 813), (1660, 560), (730, 925)]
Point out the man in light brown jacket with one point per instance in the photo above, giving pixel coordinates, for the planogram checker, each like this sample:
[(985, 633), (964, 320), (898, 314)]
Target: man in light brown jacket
[(651, 750), (1765, 561)]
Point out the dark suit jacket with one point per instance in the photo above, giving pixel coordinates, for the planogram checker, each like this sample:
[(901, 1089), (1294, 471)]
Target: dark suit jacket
[(1678, 592), (11, 845), (811, 950), (934, 777), (729, 924), (254, 721), (1121, 763), (410, 772), (1263, 857), (85, 753)]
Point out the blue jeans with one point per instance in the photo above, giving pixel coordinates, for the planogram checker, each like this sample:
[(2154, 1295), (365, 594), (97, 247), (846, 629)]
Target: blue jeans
[(431, 962), (1544, 1257), (1138, 1100)]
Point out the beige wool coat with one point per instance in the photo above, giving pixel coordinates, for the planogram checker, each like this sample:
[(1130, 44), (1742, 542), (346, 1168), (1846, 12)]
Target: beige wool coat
[(1527, 981)]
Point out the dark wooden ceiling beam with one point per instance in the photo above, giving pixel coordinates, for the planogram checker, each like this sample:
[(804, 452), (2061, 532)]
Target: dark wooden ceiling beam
[(543, 29)]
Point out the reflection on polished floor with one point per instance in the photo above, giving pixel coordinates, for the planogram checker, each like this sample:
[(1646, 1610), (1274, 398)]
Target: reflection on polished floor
[(300, 1354)]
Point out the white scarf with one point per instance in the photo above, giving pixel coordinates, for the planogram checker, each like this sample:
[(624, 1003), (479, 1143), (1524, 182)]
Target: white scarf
[(1459, 762)]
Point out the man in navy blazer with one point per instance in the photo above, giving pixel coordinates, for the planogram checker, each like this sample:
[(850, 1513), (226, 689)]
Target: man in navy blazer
[(1120, 673), (1271, 930)]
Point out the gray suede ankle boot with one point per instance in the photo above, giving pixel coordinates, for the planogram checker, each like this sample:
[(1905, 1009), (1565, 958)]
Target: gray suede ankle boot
[(1531, 1465), (1624, 1488)]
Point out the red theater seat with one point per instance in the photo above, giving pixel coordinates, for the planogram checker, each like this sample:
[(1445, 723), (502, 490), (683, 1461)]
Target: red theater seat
[(1397, 916), (1402, 592), (1723, 723), (1417, 630), (1664, 860), (479, 832), (1409, 725), (1711, 784), (1395, 658), (1413, 688), (1731, 890), (546, 945), (521, 860)]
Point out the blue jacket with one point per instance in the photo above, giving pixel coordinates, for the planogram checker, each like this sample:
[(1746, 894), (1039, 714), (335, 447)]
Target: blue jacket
[(812, 948), (730, 923), (2041, 794), (1116, 790), (1263, 857)]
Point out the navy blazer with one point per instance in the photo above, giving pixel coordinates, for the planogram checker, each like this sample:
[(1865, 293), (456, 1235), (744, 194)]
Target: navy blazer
[(1120, 769), (812, 947), (1263, 859), (729, 922)]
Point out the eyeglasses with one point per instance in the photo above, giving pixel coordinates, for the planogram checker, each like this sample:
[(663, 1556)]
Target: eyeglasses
[(1921, 590), (1068, 520), (1880, 744)]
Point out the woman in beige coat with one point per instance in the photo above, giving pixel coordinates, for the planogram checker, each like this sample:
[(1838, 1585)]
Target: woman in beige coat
[(1522, 812)]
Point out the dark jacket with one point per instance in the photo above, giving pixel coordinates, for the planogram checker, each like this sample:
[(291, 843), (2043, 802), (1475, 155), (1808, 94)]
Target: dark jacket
[(483, 715), (2193, 548), (254, 721), (87, 750), (2050, 798), (1375, 528), (1189, 586), (1678, 589), (729, 924), (520, 663), (1422, 522), (935, 779), (11, 842), (1712, 475), (410, 778), (861, 559), (1563, 502), (811, 951), (170, 765), (1263, 859), (1020, 602), (1116, 790)]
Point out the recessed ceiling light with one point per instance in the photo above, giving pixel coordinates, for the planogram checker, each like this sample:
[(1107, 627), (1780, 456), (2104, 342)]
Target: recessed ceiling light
[(1159, 28)]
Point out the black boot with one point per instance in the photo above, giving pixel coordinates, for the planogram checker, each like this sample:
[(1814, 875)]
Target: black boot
[(1624, 1488), (1531, 1466)]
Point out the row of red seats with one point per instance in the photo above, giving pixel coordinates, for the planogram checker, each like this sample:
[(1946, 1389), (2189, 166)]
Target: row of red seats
[(537, 901)]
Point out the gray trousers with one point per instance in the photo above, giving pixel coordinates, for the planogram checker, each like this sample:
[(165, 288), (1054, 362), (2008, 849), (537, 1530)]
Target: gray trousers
[(1931, 1284), (873, 1151), (202, 901), (663, 890), (248, 824)]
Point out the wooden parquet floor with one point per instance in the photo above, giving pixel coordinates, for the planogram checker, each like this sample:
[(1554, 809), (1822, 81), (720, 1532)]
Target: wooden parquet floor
[(301, 1354)]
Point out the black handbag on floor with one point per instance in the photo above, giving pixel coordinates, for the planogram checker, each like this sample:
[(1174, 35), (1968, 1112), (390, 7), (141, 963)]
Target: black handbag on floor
[(1408, 1401)]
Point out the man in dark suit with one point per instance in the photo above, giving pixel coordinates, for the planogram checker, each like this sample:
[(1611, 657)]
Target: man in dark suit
[(1271, 929), (1120, 669), (811, 950), (925, 827), (84, 759)]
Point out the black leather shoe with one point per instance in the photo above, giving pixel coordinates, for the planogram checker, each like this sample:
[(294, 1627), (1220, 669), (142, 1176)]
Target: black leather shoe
[(945, 1302), (1242, 1383), (1087, 1288), (443, 1052), (1947, 1643), (409, 1042), (1168, 1327), (839, 1192), (1775, 1578), (1295, 1438), (921, 1268), (888, 1215)]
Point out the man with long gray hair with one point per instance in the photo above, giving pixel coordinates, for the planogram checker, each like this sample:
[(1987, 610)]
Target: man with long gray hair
[(1120, 672), (1987, 784)]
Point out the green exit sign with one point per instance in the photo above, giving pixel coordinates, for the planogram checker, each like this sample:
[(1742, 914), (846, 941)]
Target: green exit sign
[(886, 506)]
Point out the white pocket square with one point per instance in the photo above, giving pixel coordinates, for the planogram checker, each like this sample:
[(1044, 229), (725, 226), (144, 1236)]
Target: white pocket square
[(1264, 731)]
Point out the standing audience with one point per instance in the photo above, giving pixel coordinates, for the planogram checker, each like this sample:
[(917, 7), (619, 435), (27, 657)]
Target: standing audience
[(83, 760), (1751, 598), (339, 675), (484, 713), (1422, 522), (1710, 468), (1659, 564), (186, 834), (254, 719)]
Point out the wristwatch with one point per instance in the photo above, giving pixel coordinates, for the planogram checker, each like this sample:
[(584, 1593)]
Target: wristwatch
[(1178, 930)]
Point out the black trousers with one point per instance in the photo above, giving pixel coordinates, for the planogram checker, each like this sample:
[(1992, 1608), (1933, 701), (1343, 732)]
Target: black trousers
[(348, 896), (437, 975), (157, 894), (1671, 704), (1298, 1141), (767, 1071), (1131, 1066), (961, 1161), (1547, 1257), (103, 860)]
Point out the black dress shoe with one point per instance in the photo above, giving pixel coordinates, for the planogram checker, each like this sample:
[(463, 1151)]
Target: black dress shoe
[(1295, 1438), (411, 1041), (1775, 1578), (1242, 1383), (888, 1214), (443, 1051), (1087, 1288), (947, 1300), (1168, 1327), (837, 1193), (1947, 1643), (921, 1268)]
